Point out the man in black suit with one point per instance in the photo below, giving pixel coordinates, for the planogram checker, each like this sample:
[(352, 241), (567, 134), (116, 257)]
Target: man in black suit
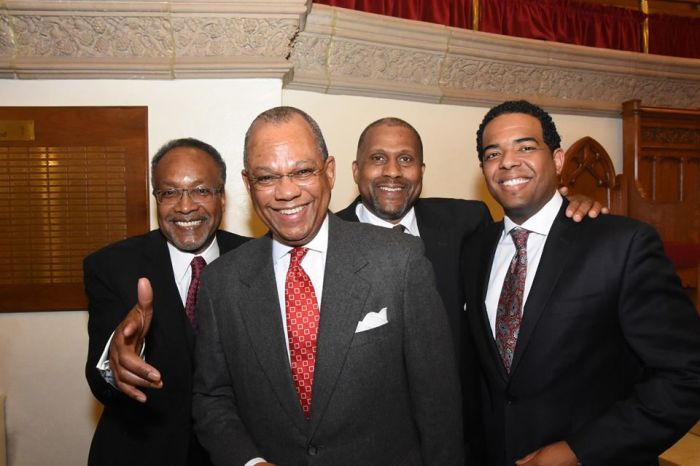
[(137, 289), (342, 359), (388, 171), (589, 349)]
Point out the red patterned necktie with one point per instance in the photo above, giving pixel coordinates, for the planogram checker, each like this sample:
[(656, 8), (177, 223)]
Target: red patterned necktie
[(302, 327), (510, 303), (197, 264)]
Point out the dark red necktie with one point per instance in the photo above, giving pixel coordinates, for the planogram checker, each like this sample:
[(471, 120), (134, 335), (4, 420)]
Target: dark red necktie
[(197, 264), (302, 327), (510, 303)]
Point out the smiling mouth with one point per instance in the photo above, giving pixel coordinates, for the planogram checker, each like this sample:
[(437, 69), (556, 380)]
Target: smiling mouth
[(188, 223), (291, 211), (514, 181), (391, 189)]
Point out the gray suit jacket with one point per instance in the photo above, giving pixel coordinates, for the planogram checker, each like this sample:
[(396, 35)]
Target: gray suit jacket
[(388, 395)]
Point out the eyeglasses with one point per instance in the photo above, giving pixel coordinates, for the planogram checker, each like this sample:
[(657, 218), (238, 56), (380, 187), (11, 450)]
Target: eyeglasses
[(301, 177), (199, 195)]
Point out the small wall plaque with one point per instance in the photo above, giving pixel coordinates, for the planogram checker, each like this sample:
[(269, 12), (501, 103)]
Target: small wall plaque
[(16, 130)]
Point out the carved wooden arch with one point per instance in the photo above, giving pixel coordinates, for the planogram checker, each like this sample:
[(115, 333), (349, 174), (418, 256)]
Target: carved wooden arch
[(589, 170)]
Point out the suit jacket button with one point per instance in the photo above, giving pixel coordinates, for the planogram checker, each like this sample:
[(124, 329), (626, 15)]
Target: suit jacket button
[(510, 399), (312, 450)]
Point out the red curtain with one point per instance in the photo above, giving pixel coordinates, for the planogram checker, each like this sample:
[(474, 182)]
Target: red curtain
[(678, 36), (457, 13), (564, 21)]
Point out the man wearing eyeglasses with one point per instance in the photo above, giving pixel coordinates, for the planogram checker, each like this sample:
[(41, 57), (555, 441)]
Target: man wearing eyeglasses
[(143, 290), (324, 342)]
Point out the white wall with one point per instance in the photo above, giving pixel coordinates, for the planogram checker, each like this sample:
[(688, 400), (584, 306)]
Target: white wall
[(449, 139), (50, 411)]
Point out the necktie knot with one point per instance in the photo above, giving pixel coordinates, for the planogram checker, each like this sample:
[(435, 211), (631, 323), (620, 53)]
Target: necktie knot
[(399, 227), (297, 255), (520, 238), (197, 265)]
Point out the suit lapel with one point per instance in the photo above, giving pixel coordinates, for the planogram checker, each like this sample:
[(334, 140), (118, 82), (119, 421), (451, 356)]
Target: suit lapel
[(494, 232), (260, 309), (554, 259), (168, 310), (344, 294)]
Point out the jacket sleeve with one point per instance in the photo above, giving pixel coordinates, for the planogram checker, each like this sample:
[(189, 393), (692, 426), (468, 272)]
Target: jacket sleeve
[(106, 308), (662, 329)]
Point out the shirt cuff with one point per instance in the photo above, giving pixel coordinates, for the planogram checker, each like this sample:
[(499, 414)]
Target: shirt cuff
[(103, 363)]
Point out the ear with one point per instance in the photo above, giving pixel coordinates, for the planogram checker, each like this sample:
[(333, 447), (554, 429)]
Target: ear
[(222, 198), (246, 181), (558, 157), (330, 170), (355, 171)]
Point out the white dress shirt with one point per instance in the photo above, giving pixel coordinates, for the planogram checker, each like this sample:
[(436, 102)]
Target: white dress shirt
[(408, 221), (182, 265), (539, 226)]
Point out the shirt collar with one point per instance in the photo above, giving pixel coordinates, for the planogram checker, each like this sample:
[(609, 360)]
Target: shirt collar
[(319, 243), (409, 222), (181, 260), (542, 221)]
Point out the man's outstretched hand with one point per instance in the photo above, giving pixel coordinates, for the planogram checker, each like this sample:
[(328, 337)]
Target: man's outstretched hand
[(128, 368)]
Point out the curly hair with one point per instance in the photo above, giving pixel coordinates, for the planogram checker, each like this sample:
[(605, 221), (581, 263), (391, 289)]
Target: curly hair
[(549, 129)]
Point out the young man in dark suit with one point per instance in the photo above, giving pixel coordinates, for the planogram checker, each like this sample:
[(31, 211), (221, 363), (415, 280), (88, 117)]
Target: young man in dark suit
[(589, 349), (324, 342), (142, 288)]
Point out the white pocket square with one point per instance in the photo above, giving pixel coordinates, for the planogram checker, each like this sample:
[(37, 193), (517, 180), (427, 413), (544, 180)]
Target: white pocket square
[(372, 320)]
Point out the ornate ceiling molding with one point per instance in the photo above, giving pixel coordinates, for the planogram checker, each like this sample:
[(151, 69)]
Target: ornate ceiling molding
[(148, 39), (347, 52), (329, 50)]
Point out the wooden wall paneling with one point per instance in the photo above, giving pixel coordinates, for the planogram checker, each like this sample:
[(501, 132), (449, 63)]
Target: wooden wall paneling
[(78, 182)]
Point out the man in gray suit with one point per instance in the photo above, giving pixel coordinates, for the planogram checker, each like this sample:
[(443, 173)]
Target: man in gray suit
[(324, 342)]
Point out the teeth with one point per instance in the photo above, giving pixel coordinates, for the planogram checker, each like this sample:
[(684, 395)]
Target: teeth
[(291, 211), (514, 182), (191, 223), (391, 190)]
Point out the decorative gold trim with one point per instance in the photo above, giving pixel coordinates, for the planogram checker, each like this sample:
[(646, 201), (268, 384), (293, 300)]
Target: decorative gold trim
[(644, 6), (475, 15)]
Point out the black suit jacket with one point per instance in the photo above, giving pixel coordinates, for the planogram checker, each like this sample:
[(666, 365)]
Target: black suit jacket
[(388, 395), (443, 225), (608, 354), (158, 432)]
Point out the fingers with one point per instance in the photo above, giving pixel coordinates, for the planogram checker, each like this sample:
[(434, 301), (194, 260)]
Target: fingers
[(526, 459), (128, 368), (556, 454), (130, 371)]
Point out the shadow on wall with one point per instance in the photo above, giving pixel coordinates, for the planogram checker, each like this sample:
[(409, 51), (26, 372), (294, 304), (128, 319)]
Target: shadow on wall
[(484, 195)]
